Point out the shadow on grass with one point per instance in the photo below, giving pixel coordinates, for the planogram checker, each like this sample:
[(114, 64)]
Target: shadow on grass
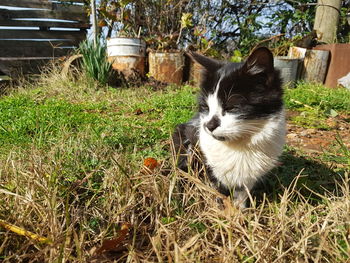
[(311, 178)]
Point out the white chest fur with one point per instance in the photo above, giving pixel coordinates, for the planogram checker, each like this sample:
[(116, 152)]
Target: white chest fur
[(243, 161)]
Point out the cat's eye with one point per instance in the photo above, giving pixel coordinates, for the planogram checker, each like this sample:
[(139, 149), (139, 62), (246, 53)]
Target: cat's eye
[(231, 108), (233, 103)]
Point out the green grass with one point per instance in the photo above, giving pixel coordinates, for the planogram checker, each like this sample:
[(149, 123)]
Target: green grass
[(316, 103), (26, 122), (124, 123), (71, 170), (319, 97)]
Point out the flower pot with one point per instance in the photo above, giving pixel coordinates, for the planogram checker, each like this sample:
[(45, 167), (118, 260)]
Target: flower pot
[(166, 67), (288, 68), (127, 55)]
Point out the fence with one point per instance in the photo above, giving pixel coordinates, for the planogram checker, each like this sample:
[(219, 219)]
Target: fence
[(33, 32)]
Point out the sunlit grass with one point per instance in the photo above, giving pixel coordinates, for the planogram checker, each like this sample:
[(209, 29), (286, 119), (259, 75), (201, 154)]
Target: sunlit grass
[(316, 103), (71, 170)]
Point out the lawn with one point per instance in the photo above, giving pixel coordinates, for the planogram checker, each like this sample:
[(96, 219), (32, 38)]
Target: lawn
[(72, 172)]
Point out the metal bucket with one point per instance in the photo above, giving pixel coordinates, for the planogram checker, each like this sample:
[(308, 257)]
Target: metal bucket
[(288, 68), (166, 67), (123, 46), (127, 55)]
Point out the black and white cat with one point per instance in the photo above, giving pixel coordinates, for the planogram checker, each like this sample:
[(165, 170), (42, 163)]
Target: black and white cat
[(240, 125)]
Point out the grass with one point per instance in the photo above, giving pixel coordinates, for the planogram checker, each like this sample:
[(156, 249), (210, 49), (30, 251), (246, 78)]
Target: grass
[(316, 104), (71, 170)]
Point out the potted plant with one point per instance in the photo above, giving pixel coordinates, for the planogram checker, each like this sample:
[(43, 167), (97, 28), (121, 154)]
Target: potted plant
[(127, 50), (166, 61)]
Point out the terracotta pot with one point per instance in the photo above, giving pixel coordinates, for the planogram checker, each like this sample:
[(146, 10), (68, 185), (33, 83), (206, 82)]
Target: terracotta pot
[(166, 67)]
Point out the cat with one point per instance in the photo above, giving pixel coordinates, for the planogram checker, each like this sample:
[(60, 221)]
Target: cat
[(239, 129)]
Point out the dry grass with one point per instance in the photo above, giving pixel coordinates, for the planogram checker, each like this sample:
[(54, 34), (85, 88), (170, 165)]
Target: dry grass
[(78, 192), (174, 217)]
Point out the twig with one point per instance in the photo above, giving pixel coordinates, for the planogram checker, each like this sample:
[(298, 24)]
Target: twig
[(268, 39)]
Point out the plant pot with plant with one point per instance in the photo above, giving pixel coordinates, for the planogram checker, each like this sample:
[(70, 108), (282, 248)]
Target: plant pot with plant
[(166, 65), (166, 61), (127, 50)]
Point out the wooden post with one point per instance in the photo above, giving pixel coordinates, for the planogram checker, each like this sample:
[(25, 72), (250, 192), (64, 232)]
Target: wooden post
[(327, 19), (94, 22), (314, 63)]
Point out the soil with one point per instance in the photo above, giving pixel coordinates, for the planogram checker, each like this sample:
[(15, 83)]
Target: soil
[(316, 140)]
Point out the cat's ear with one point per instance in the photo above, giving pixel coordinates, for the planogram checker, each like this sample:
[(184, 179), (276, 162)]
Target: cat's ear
[(210, 64), (260, 61)]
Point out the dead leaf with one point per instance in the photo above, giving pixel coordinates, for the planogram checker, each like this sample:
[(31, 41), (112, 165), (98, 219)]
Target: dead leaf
[(115, 245), (150, 163), (138, 112)]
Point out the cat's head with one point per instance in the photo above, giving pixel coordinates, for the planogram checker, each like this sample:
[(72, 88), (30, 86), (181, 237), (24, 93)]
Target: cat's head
[(236, 99)]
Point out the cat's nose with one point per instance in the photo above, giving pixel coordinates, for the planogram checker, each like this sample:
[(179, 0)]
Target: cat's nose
[(213, 124)]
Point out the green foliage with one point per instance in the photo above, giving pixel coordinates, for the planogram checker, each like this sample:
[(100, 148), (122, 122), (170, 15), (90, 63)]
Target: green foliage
[(293, 17), (168, 220), (95, 62), (316, 103), (167, 24), (237, 56), (216, 28), (344, 26), (317, 97), (186, 20), (202, 42), (198, 226)]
